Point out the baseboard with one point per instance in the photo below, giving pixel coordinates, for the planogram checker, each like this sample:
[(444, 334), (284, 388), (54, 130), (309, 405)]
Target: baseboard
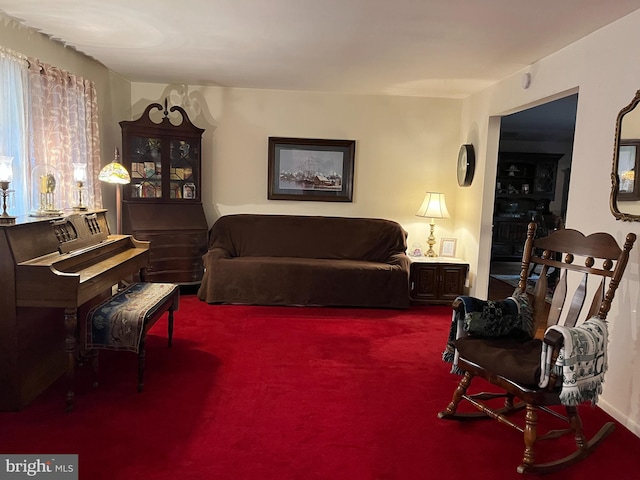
[(630, 424)]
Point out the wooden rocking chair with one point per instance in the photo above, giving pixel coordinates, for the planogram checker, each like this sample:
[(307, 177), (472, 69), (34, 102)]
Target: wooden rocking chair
[(512, 362)]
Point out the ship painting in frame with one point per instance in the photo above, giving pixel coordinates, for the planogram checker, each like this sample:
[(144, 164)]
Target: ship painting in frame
[(311, 169)]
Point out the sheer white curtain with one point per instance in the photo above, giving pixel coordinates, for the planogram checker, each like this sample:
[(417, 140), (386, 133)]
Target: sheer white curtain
[(14, 123), (64, 128)]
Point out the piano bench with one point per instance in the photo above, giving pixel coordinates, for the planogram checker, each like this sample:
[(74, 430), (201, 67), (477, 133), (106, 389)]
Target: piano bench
[(122, 321)]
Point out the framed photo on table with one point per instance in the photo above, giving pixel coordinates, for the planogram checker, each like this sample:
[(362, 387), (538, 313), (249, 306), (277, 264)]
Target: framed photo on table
[(311, 169), (448, 247)]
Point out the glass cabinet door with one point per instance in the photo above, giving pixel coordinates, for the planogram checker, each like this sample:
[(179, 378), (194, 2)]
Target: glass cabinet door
[(146, 167), (183, 169)]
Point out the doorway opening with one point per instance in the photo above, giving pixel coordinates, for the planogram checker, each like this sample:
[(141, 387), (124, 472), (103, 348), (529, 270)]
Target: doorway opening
[(532, 183)]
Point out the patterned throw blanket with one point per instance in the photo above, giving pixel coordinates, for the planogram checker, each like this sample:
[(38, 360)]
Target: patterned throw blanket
[(488, 318), (582, 361), (117, 323)]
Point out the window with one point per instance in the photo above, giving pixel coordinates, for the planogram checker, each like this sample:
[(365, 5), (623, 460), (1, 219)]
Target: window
[(13, 122), (48, 122)]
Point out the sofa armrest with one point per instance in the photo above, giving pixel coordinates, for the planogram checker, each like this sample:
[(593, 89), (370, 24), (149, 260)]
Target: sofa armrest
[(401, 260), (218, 252)]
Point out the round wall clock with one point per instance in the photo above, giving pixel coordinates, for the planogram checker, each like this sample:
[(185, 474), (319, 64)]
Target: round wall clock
[(466, 165)]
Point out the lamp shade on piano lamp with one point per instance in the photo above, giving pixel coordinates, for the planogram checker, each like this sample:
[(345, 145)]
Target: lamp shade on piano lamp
[(6, 176), (6, 172), (433, 206), (115, 172)]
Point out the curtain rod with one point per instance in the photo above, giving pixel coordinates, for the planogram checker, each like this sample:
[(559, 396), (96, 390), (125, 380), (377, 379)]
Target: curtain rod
[(7, 52)]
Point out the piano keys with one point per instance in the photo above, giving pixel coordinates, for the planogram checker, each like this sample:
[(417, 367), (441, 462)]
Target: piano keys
[(50, 270)]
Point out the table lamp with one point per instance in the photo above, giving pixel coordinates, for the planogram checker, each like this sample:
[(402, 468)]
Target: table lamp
[(433, 206), (6, 175), (80, 177)]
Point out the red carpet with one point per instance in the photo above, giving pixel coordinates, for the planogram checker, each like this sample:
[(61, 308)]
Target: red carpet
[(285, 393)]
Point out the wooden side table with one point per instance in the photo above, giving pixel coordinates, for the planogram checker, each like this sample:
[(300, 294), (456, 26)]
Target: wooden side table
[(436, 280)]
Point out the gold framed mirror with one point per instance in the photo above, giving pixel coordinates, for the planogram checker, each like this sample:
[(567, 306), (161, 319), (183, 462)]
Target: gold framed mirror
[(625, 184)]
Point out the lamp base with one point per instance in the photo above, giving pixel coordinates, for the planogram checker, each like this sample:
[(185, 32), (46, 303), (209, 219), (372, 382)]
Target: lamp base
[(80, 208), (431, 241), (46, 213), (5, 218), (430, 253)]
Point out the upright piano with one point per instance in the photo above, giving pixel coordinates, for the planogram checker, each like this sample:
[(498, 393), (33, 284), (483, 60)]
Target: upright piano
[(51, 272)]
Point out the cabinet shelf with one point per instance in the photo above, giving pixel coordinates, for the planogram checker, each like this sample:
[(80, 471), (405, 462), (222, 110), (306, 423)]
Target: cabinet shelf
[(525, 196)]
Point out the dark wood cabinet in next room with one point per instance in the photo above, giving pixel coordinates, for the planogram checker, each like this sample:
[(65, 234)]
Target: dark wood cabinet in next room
[(162, 204), (525, 186)]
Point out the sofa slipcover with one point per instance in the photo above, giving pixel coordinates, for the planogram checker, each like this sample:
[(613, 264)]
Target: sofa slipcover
[(306, 260)]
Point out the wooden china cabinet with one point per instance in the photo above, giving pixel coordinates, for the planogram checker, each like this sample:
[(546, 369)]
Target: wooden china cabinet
[(162, 204)]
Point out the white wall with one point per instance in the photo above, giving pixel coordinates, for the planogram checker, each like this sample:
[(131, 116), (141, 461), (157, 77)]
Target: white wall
[(603, 67), (404, 147)]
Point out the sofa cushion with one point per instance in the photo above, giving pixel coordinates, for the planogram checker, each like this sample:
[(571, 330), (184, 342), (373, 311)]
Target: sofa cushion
[(310, 281)]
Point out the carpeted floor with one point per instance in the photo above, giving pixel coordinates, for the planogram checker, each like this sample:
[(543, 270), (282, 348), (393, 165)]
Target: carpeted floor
[(285, 393)]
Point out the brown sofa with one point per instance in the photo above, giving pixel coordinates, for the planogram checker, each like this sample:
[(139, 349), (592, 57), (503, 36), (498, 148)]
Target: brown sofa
[(306, 260)]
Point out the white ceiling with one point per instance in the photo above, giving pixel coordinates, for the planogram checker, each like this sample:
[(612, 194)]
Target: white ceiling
[(442, 48)]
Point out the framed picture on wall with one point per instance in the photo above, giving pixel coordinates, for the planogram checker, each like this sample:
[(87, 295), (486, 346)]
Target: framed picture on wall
[(311, 169), (448, 247)]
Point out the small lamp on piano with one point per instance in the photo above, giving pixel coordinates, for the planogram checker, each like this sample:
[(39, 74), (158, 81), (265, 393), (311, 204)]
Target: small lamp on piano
[(6, 176), (80, 192), (115, 172), (433, 206)]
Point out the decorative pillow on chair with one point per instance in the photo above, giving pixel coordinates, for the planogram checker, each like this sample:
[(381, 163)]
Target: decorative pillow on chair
[(490, 318), (511, 318)]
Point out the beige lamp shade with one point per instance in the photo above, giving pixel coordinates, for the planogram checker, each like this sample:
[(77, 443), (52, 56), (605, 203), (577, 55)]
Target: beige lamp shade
[(433, 206)]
